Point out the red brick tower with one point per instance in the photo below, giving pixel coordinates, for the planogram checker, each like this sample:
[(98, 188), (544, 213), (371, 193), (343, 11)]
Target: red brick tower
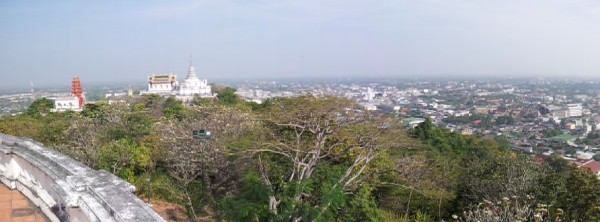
[(76, 91)]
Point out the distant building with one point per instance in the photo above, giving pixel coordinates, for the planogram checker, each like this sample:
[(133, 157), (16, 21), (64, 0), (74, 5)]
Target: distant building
[(570, 126), (370, 107), (369, 95), (167, 85), (412, 122), (575, 109), (77, 91), (194, 86), (467, 131), (561, 113), (62, 104), (75, 102), (162, 84), (592, 165)]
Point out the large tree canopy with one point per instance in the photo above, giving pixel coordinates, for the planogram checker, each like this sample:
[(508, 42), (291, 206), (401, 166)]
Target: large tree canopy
[(40, 107)]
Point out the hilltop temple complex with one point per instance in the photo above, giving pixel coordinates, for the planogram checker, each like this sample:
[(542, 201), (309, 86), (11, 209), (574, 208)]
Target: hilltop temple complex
[(167, 85)]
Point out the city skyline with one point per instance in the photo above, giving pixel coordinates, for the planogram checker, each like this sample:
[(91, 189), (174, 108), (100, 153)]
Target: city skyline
[(49, 42)]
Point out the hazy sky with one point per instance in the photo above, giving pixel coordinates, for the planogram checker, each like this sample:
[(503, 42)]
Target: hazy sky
[(48, 42)]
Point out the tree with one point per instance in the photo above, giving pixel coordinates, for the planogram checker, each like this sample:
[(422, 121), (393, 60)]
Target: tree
[(416, 182), (150, 104), (571, 150), (508, 120), (515, 208), (23, 125), (123, 157), (93, 110), (423, 130), (54, 126), (227, 96), (40, 107), (304, 135), (489, 175), (582, 201), (568, 191), (551, 132), (206, 161), (86, 136), (173, 108)]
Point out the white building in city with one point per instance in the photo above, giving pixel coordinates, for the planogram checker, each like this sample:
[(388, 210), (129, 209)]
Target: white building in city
[(369, 95), (575, 109), (561, 113)]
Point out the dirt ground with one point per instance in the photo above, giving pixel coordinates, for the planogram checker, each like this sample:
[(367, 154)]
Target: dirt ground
[(169, 211)]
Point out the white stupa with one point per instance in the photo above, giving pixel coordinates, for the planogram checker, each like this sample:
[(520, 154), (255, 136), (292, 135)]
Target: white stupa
[(194, 86)]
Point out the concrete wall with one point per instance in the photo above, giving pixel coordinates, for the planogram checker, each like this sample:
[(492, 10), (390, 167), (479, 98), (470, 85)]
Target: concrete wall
[(65, 189)]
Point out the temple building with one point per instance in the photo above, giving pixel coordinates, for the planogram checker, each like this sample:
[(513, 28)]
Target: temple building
[(74, 102), (194, 86), (65, 103), (162, 84), (167, 85)]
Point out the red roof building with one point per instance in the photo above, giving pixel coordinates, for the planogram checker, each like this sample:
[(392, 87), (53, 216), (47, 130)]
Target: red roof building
[(593, 165)]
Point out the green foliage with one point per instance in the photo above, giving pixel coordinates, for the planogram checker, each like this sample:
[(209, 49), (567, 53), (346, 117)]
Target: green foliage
[(570, 150), (22, 126), (423, 131), (258, 107), (151, 100), (138, 125), (40, 107), (93, 110), (250, 204), (582, 202), (486, 120), (125, 158), (173, 108), (134, 125), (575, 191), (508, 120), (446, 141), (489, 175), (55, 125), (503, 142), (227, 96), (549, 133), (363, 207), (423, 217), (199, 101)]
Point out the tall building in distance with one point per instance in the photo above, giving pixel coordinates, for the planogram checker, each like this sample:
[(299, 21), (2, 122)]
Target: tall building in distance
[(575, 109), (77, 91), (167, 85)]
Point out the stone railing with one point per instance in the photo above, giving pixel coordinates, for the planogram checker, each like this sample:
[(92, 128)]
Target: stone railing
[(66, 190)]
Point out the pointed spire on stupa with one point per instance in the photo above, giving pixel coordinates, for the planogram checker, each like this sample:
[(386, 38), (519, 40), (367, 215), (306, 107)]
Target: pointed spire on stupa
[(191, 71)]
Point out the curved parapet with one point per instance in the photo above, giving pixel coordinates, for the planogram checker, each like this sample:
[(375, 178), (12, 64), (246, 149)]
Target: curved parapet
[(66, 190)]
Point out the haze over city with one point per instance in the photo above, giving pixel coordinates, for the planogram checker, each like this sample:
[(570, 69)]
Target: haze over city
[(48, 42)]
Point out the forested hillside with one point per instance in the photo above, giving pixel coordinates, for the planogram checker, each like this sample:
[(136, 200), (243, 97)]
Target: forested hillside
[(308, 159)]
